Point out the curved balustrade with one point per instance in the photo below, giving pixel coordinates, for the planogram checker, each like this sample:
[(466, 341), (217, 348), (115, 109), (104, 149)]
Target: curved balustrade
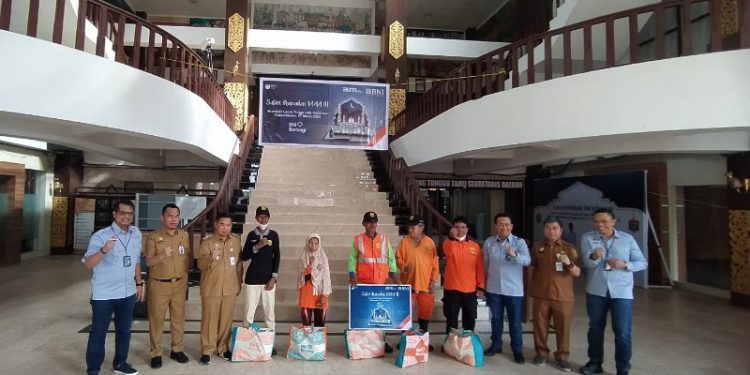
[(532, 59), (405, 185), (229, 184), (163, 55)]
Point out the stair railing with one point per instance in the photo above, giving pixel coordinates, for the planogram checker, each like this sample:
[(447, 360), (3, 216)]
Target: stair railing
[(490, 73), (160, 54), (405, 186), (229, 183)]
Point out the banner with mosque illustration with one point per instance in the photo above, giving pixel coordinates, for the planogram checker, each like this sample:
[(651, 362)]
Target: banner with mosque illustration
[(323, 113), (380, 306), (574, 199)]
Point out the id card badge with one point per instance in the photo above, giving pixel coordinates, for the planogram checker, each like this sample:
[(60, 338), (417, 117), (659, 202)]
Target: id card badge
[(232, 261), (181, 250), (596, 243), (558, 266), (126, 261)]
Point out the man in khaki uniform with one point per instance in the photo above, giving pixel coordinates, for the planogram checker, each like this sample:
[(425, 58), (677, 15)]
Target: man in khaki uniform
[(552, 271), (167, 253), (221, 283)]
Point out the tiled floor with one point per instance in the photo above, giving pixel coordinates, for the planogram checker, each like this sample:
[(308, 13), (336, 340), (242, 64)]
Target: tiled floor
[(44, 306)]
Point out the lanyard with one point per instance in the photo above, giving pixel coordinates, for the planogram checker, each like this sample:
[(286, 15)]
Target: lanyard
[(130, 235), (607, 245)]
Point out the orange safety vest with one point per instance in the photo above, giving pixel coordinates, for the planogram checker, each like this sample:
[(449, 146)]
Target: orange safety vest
[(372, 261)]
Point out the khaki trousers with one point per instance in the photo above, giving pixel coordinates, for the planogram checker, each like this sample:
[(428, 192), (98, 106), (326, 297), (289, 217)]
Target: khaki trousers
[(258, 293), (161, 296), (216, 323), (560, 312)]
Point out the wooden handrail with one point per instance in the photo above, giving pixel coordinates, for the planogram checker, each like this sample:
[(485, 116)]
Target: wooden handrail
[(405, 185), (164, 55), (229, 184), (489, 74)]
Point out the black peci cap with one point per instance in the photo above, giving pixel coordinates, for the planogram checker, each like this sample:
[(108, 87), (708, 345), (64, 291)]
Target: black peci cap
[(415, 220), (370, 217), (262, 210)]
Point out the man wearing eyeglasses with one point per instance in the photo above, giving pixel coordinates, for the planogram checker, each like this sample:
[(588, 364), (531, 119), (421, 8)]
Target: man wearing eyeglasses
[(114, 255)]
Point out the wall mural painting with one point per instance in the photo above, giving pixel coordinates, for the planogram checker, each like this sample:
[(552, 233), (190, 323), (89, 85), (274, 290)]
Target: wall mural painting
[(312, 18), (307, 59)]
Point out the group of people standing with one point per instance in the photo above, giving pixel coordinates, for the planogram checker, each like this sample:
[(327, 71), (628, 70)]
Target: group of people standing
[(494, 271)]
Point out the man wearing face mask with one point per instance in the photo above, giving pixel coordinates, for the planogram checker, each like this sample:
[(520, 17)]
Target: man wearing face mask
[(262, 249), (464, 277)]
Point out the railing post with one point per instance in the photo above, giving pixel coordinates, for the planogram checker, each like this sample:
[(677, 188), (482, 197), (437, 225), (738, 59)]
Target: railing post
[(530, 74), (547, 57), (743, 12), (610, 44), (634, 38), (33, 20), (659, 39), (83, 9), (136, 63), (5, 9), (57, 26), (715, 15), (101, 29), (686, 34)]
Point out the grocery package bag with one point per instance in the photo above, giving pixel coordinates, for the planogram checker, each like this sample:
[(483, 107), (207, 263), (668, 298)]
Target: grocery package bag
[(364, 343), (251, 344), (414, 348), (307, 343), (464, 346)]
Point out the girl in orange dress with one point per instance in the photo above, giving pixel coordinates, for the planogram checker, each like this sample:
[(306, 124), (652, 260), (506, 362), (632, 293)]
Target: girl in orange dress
[(314, 282)]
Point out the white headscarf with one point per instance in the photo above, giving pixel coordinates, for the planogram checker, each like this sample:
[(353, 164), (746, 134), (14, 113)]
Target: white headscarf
[(321, 274)]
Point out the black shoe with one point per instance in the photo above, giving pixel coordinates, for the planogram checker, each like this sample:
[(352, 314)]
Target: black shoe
[(388, 348), (126, 369), (540, 360), (591, 368), (156, 362), (227, 355), (492, 350), (432, 347), (564, 366), (622, 372), (205, 359), (518, 358), (179, 357)]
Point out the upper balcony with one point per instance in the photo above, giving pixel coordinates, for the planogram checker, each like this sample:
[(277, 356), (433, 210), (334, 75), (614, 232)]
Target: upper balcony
[(73, 81), (668, 77)]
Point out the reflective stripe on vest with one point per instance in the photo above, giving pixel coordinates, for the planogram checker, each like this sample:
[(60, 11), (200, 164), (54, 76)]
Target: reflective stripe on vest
[(383, 250)]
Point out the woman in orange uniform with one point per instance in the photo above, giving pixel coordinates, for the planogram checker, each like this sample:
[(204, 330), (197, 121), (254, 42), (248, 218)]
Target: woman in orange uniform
[(314, 282)]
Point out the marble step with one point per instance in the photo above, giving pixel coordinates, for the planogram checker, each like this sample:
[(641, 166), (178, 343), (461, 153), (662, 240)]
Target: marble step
[(315, 179), (278, 209), (327, 186), (323, 229), (330, 242), (322, 219), (261, 194)]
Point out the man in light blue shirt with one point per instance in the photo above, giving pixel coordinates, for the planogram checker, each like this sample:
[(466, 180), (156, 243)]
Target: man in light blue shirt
[(504, 256), (114, 255), (610, 258)]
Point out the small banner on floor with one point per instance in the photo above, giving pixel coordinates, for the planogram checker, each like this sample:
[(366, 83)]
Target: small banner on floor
[(385, 307), (324, 113)]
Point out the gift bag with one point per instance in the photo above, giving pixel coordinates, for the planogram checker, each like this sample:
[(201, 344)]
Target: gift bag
[(364, 343), (307, 343), (464, 346), (251, 344), (414, 348)]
